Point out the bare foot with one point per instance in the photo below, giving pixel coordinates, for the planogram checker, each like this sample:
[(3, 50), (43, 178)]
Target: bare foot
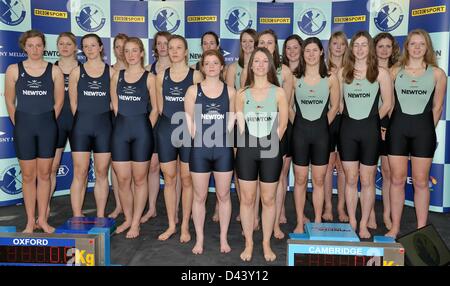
[(167, 234), (372, 224), (298, 229), (238, 218), (277, 233), (198, 248), (133, 232), (147, 216), (46, 227), (124, 226), (327, 215), (387, 222), (306, 219), (364, 232), (185, 236), (392, 233), (246, 255), (269, 255), (224, 247), (115, 213), (215, 217), (30, 228), (343, 217), (283, 220)]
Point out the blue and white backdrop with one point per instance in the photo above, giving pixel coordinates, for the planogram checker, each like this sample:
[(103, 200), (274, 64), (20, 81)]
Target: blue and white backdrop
[(227, 18)]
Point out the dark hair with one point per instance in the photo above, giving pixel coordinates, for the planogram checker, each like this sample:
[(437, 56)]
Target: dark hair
[(99, 41), (181, 38), (271, 75), (254, 35), (372, 61), (284, 58), (30, 34), (155, 39), (212, 34), (301, 69), (393, 59), (276, 53)]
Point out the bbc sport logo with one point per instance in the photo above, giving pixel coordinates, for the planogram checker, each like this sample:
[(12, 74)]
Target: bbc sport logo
[(11, 180), (91, 18), (389, 17), (12, 12), (237, 20), (312, 21), (166, 19)]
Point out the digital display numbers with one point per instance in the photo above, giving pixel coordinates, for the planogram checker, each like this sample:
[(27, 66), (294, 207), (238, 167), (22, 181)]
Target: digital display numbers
[(62, 255), (304, 259)]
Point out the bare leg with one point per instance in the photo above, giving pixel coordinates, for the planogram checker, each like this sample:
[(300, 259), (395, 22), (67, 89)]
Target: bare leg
[(420, 175), (54, 173), (124, 174), (343, 217), (200, 183), (78, 187), (247, 210), (367, 177), (386, 173), (301, 181), (268, 195), (153, 188), (318, 178), (280, 196), (236, 184), (215, 217), (115, 186), (140, 181), (399, 168), (178, 189), (186, 201), (170, 197), (44, 169), (223, 181), (101, 188), (328, 189), (29, 176), (351, 169)]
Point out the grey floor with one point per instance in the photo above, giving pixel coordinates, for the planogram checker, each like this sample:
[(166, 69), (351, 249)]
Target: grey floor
[(147, 250)]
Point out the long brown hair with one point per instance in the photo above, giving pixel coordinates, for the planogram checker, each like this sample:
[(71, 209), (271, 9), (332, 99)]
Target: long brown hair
[(139, 43), (296, 37), (72, 38), (341, 35), (271, 75), (254, 35), (393, 59), (276, 53), (349, 60), (429, 57)]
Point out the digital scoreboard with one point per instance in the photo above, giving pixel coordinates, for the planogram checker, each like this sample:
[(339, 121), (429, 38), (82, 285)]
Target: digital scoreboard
[(41, 249), (330, 244)]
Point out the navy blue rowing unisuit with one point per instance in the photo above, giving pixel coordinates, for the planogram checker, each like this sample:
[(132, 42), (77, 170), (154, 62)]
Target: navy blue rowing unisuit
[(132, 138), (35, 130), (173, 104), (211, 149), (92, 126)]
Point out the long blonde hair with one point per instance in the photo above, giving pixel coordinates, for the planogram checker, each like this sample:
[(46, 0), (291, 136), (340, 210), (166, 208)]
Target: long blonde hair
[(341, 35), (430, 56)]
